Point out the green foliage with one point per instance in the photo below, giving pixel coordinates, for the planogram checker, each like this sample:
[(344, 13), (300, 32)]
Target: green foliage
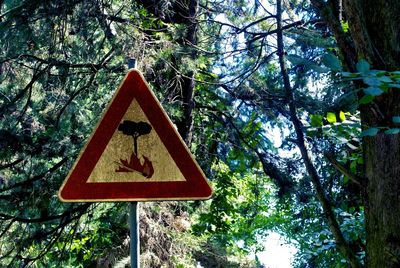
[(370, 132), (332, 62), (373, 91), (377, 82), (234, 214), (366, 99), (316, 120), (396, 119), (345, 26), (297, 60), (60, 63), (363, 66), (392, 131)]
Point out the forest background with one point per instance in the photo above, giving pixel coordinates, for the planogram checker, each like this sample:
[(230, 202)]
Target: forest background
[(291, 108)]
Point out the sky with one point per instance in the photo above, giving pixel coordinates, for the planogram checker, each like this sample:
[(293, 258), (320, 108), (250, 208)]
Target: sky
[(277, 253)]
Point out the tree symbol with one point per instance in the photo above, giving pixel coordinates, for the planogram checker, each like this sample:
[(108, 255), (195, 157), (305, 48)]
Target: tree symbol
[(135, 130)]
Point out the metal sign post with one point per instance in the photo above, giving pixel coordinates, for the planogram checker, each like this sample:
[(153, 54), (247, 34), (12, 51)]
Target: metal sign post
[(134, 216), (134, 233)]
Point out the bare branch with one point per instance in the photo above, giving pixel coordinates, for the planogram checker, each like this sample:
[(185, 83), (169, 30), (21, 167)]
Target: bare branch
[(311, 170), (13, 163), (44, 219), (342, 169), (37, 177)]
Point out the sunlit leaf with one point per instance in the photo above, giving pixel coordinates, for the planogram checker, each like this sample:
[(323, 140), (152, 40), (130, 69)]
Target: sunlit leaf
[(331, 117), (342, 116)]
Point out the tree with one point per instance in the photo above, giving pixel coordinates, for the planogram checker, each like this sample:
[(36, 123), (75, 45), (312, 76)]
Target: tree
[(135, 130), (371, 36), (59, 64), (265, 93), (256, 52), (357, 38)]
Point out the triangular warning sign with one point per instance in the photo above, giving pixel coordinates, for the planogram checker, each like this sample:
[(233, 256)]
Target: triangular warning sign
[(134, 154)]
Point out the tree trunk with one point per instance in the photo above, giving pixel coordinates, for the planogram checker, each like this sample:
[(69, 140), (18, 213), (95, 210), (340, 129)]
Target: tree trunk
[(374, 26), (382, 214), (182, 12), (185, 127), (374, 29)]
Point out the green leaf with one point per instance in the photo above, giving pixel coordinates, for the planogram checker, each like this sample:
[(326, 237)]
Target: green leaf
[(213, 75), (394, 85), (332, 62), (392, 131), (396, 119), (385, 79), (342, 116), (202, 66), (366, 99), (348, 74), (370, 132), (373, 91), (363, 66), (345, 26), (317, 68), (372, 81), (297, 60), (316, 120), (331, 117)]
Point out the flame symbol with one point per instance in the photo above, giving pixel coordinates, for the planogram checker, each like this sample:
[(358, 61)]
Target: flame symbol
[(134, 164)]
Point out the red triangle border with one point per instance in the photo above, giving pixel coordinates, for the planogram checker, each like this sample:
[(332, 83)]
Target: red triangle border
[(76, 189)]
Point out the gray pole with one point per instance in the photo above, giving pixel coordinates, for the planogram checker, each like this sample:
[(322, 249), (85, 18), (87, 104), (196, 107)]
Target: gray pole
[(134, 232), (134, 216)]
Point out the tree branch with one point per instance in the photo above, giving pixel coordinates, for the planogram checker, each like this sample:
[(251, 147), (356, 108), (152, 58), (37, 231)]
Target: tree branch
[(73, 96), (311, 170), (254, 23), (56, 62), (43, 219), (37, 74), (8, 165), (37, 177), (342, 169)]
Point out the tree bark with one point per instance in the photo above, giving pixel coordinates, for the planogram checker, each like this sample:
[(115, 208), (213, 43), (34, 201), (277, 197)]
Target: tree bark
[(375, 30), (375, 33), (185, 127)]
